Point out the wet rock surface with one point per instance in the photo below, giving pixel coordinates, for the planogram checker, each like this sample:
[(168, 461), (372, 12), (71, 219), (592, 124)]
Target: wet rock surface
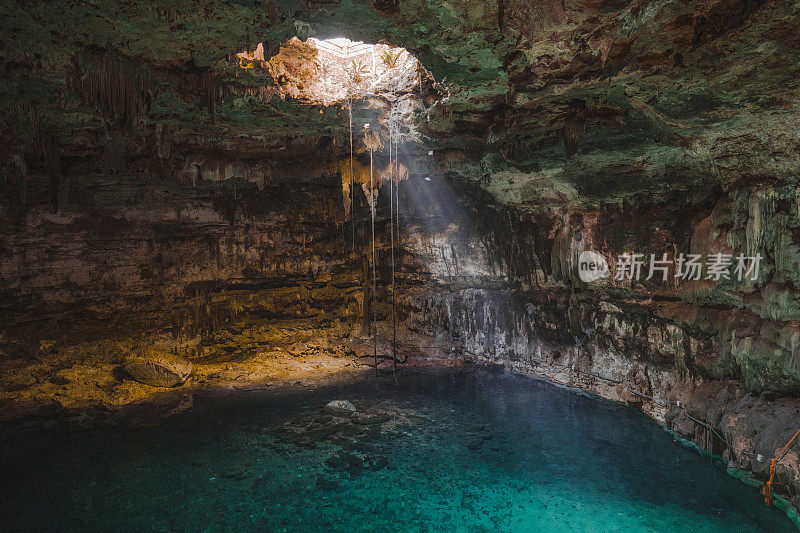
[(339, 424), (354, 434), (341, 408)]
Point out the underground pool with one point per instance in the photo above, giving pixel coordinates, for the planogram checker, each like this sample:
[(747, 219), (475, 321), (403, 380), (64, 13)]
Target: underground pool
[(435, 450)]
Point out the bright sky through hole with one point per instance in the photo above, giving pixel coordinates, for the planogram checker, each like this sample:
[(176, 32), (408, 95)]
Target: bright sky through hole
[(335, 70), (343, 47)]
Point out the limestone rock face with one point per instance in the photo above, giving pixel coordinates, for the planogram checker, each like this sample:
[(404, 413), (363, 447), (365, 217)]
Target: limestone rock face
[(157, 369)]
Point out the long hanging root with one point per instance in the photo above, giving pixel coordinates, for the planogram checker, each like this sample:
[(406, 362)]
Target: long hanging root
[(374, 274), (396, 239), (391, 232), (352, 184)]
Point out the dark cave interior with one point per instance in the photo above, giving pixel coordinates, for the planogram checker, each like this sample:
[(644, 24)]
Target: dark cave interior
[(223, 195)]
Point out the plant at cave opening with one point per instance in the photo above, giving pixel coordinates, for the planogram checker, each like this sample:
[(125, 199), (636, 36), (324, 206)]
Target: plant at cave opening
[(358, 71), (390, 59)]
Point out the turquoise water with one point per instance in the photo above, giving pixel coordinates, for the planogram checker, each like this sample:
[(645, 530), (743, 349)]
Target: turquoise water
[(439, 451)]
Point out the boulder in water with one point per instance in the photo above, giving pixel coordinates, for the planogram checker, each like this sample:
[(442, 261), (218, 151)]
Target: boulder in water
[(159, 369), (340, 408)]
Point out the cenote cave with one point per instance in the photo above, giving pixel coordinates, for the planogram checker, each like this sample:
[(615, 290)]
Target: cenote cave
[(400, 265)]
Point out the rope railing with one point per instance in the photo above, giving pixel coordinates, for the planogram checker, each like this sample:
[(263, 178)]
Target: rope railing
[(666, 403), (766, 490)]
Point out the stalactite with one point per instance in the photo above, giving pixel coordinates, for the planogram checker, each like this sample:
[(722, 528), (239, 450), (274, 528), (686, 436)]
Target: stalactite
[(119, 87), (370, 194), (761, 209), (53, 158), (17, 178), (211, 86)]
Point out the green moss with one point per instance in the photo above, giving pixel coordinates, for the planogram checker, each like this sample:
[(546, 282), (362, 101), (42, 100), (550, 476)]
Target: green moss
[(168, 104)]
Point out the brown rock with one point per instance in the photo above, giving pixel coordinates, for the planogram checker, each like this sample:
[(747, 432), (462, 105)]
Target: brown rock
[(158, 369)]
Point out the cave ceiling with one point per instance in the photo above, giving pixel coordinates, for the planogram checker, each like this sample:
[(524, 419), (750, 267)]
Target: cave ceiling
[(549, 103)]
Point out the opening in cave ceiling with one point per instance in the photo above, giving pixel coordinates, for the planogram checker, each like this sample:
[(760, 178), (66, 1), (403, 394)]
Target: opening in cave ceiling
[(385, 78), (385, 85), (331, 71)]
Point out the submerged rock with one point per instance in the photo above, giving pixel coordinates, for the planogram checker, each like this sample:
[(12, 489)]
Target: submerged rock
[(157, 369), (370, 420), (377, 463), (328, 484), (340, 408)]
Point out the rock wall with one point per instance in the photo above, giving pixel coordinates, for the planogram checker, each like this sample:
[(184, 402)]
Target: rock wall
[(215, 271), (714, 361)]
